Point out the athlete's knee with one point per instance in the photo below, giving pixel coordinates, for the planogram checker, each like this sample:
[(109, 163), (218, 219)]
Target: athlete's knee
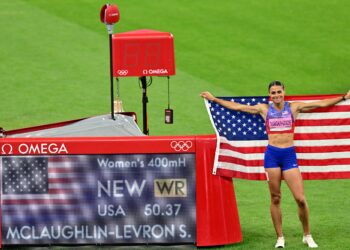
[(276, 199), (301, 201)]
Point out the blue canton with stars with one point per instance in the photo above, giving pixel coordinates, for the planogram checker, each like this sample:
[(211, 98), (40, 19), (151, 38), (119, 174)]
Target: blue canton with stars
[(236, 125), (24, 175)]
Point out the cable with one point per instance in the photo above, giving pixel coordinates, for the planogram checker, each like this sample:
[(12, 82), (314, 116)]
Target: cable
[(148, 83), (168, 92), (150, 80), (118, 88)]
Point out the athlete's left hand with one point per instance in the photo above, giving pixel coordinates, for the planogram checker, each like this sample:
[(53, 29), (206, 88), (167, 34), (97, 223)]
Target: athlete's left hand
[(347, 95)]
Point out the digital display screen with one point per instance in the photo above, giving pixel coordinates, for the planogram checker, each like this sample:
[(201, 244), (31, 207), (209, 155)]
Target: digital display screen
[(143, 53), (131, 55), (106, 199)]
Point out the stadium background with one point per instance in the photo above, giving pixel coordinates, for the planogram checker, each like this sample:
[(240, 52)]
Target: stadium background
[(55, 67)]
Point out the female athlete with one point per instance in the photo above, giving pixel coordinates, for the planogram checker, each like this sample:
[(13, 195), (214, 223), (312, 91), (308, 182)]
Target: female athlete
[(280, 157)]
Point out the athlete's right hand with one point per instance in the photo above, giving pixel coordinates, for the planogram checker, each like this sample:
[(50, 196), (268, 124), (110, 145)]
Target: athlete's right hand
[(207, 95)]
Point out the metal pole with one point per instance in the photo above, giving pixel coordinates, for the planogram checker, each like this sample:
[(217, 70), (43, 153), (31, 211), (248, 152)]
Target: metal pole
[(144, 105), (111, 74)]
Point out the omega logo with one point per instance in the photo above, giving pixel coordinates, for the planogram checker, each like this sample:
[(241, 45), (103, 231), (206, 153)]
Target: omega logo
[(155, 71), (7, 149), (35, 148)]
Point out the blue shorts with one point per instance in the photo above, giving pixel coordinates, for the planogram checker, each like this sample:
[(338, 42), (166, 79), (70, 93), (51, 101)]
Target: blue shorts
[(284, 158)]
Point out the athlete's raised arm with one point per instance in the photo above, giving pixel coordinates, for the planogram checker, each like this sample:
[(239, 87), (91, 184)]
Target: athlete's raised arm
[(305, 106), (256, 109)]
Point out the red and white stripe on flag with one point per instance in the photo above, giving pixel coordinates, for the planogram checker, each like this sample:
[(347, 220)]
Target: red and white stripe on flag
[(322, 140)]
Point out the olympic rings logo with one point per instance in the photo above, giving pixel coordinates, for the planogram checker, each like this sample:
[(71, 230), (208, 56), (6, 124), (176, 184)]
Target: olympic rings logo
[(181, 145), (122, 72)]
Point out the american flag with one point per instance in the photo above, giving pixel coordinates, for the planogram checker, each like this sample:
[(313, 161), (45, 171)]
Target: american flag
[(55, 192), (38, 190), (322, 139)]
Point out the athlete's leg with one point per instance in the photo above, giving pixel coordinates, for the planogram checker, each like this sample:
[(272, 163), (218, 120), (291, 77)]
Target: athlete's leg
[(295, 183), (274, 181)]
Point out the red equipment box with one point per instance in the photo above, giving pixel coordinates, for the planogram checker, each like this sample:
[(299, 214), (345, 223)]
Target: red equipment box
[(143, 53)]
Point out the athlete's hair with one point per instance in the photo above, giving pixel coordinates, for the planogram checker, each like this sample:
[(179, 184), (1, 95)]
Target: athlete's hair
[(275, 83)]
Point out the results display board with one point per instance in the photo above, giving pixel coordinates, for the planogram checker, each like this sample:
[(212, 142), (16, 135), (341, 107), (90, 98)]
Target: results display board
[(91, 199)]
